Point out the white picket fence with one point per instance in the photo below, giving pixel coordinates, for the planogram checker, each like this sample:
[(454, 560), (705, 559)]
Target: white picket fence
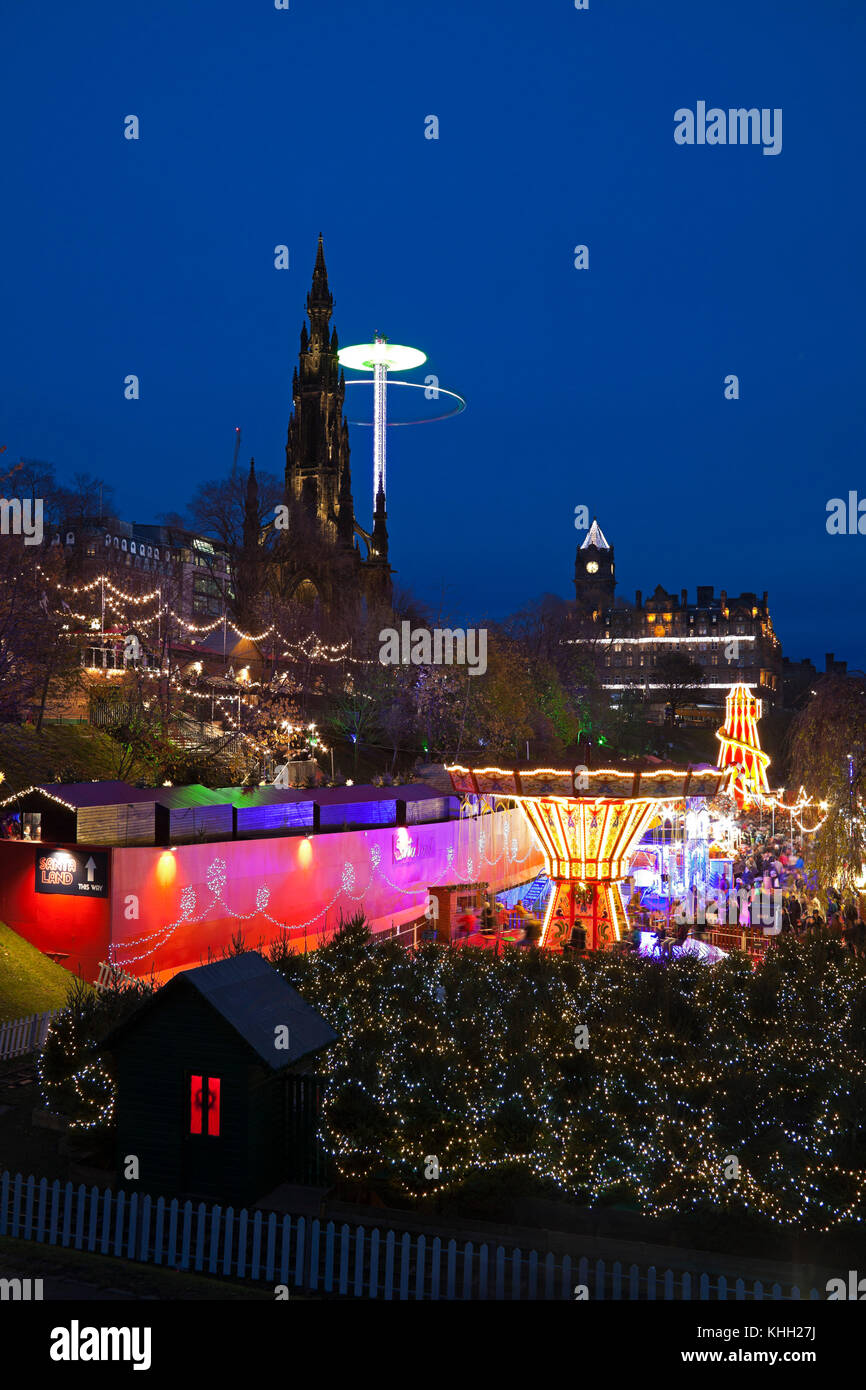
[(111, 974), (322, 1257), (22, 1035)]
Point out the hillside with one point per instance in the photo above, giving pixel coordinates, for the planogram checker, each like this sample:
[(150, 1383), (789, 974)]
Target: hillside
[(30, 983), (64, 752)]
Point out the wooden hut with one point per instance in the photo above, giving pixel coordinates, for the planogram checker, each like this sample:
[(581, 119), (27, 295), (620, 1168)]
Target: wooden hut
[(215, 1095)]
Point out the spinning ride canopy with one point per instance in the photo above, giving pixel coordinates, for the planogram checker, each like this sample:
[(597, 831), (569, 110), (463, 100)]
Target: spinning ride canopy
[(588, 836), (588, 839)]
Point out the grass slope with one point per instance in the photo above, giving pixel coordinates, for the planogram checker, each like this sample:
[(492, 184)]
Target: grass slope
[(30, 983), (72, 752)]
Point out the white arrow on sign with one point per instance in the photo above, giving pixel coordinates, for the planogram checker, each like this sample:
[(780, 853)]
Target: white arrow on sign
[(91, 869)]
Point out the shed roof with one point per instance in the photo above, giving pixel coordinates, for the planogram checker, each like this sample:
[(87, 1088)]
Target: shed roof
[(328, 796), (193, 795), (79, 794), (254, 1000)]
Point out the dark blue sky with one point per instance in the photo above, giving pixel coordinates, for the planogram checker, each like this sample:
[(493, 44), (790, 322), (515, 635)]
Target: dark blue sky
[(604, 387)]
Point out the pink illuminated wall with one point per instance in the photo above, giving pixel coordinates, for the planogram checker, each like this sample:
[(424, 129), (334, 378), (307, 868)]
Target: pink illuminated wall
[(192, 899)]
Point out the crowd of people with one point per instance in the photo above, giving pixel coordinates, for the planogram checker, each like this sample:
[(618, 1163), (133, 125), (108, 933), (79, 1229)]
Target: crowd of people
[(773, 865), (768, 891)]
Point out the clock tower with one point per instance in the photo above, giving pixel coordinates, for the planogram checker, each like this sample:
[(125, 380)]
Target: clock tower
[(594, 581)]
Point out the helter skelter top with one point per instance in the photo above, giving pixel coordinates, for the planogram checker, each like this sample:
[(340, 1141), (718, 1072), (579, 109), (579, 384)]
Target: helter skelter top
[(648, 782)]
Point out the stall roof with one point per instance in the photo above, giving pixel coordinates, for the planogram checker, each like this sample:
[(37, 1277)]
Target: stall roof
[(329, 796), (86, 794), (78, 794), (178, 797)]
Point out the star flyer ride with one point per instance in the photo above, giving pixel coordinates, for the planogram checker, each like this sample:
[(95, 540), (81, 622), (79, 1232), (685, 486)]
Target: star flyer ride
[(588, 824), (380, 357)]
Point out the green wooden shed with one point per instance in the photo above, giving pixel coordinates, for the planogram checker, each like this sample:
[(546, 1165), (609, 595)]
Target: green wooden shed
[(216, 1096)]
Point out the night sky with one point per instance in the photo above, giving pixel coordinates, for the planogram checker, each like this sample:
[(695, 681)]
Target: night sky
[(602, 387)]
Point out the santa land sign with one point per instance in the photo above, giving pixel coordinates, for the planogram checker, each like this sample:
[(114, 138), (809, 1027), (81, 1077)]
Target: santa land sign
[(75, 873)]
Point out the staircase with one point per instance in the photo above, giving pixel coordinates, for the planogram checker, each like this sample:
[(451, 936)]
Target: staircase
[(535, 900)]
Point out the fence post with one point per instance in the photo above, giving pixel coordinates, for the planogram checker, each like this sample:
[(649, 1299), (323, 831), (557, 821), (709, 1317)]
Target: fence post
[(16, 1203), (133, 1221), (243, 1218), (549, 1274), (157, 1232), (330, 1230), (301, 1233), (106, 1222), (144, 1233), (4, 1203), (405, 1261), (67, 1211), (92, 1218), (757, 1291), (55, 1209), (28, 1207), (171, 1253), (201, 1221), (286, 1250), (118, 1223), (704, 1288), (616, 1290), (271, 1247), (483, 1269), (599, 1278), (359, 1261), (315, 1231), (567, 1276), (468, 1256), (516, 1271), (633, 1283), (373, 1285), (186, 1237), (389, 1265), (722, 1288), (532, 1286), (228, 1234), (345, 1244), (256, 1262), (435, 1267), (500, 1274)]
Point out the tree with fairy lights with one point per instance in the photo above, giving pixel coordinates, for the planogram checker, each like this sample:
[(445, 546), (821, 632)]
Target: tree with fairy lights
[(74, 1074), (599, 1080), (828, 757)]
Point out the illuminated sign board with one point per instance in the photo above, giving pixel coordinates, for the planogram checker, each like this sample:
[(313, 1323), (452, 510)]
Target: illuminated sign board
[(72, 873), (406, 846)]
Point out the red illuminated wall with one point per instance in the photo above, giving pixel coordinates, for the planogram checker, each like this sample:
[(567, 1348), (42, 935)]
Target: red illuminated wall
[(291, 880), (77, 926)]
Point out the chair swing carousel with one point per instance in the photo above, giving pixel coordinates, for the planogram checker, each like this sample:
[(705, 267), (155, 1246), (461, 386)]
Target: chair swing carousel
[(588, 824)]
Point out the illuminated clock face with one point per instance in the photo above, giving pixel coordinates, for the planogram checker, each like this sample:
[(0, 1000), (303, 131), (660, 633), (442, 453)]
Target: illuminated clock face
[(592, 567)]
